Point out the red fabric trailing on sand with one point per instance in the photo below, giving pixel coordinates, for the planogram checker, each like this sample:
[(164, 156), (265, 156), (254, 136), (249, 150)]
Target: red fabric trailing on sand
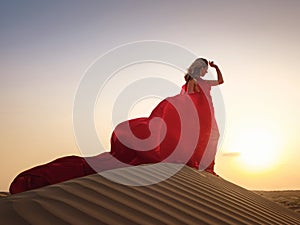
[(59, 170), (179, 142)]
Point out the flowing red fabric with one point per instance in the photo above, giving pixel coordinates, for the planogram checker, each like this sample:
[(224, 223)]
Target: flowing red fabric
[(177, 131)]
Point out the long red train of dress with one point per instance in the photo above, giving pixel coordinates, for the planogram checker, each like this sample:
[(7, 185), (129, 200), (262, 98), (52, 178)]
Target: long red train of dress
[(177, 131)]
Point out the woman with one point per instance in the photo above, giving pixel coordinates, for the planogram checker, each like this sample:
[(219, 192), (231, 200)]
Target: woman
[(195, 83), (177, 131)]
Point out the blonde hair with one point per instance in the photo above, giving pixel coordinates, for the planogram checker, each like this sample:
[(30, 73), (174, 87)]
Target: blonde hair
[(194, 69)]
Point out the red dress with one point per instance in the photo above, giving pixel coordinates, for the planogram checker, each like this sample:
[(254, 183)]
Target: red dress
[(177, 131)]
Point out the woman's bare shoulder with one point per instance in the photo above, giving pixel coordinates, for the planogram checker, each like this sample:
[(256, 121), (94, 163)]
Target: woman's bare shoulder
[(192, 86)]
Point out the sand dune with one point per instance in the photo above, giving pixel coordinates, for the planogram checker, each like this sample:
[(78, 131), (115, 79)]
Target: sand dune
[(189, 197)]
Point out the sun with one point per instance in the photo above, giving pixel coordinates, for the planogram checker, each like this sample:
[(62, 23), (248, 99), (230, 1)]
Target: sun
[(258, 148)]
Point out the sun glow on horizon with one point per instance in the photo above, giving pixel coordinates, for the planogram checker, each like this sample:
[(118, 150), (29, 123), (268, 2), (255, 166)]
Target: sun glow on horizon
[(258, 148)]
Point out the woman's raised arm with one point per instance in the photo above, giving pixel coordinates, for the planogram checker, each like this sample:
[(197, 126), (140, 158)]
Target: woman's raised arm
[(219, 73)]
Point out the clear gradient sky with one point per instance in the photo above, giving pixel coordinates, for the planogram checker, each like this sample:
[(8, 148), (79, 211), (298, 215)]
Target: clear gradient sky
[(47, 45)]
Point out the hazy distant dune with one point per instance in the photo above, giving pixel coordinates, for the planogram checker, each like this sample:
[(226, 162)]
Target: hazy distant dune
[(289, 199), (3, 194)]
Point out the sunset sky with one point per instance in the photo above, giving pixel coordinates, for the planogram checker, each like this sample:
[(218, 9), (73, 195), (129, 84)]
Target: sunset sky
[(47, 46)]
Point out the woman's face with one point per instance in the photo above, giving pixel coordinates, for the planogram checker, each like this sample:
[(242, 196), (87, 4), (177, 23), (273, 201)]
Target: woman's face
[(203, 71)]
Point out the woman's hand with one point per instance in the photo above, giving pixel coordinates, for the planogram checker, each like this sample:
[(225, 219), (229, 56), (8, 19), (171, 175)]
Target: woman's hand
[(220, 77), (212, 64)]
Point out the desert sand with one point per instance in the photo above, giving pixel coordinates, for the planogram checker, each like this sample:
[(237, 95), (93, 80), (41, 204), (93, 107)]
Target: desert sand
[(289, 199), (188, 197)]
